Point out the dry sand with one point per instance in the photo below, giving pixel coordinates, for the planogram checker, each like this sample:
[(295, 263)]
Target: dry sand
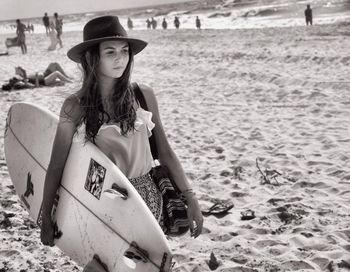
[(227, 98)]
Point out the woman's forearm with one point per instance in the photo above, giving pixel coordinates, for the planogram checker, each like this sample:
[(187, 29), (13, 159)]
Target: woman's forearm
[(170, 160), (60, 150), (54, 173), (52, 183)]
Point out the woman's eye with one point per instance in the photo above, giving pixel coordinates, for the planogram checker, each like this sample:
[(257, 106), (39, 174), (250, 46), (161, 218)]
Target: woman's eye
[(126, 50)]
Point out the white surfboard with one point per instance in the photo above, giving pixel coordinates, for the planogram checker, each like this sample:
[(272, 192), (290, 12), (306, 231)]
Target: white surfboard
[(97, 210)]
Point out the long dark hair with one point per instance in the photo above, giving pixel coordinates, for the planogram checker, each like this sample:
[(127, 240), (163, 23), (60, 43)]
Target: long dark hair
[(93, 114)]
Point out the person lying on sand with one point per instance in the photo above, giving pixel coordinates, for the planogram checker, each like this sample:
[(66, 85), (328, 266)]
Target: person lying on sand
[(52, 75), (16, 84)]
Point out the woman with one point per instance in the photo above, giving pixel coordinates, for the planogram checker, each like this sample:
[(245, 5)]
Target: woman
[(105, 112), (53, 74)]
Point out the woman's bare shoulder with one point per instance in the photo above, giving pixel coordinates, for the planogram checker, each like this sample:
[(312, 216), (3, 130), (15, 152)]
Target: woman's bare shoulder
[(146, 89), (71, 109), (149, 95)]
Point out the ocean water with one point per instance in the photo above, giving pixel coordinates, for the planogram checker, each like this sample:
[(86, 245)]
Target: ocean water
[(214, 14)]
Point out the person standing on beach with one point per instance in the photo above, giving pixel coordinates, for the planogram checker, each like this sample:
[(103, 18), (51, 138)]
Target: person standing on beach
[(148, 22), (53, 37), (198, 23), (106, 101), (46, 22), (164, 24), (177, 22), (308, 15), (154, 23), (58, 27), (21, 36), (130, 24)]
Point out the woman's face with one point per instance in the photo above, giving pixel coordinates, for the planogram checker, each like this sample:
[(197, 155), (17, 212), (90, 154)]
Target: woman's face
[(114, 57)]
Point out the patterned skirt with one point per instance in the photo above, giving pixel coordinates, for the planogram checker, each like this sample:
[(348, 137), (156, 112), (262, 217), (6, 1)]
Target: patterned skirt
[(149, 192)]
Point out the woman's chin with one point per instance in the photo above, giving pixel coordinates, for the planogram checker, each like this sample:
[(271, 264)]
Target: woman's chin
[(117, 76)]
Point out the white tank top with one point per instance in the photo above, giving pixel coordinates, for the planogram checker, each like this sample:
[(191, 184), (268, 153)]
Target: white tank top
[(131, 153)]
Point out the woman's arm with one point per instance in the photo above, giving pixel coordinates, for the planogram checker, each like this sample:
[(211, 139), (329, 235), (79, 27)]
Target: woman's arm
[(69, 115), (168, 158), (166, 155)]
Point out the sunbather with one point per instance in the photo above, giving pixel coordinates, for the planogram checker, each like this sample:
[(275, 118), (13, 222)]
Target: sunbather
[(52, 75)]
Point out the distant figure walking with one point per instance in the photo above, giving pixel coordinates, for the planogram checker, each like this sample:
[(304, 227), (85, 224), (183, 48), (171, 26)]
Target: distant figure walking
[(177, 22), (198, 23), (148, 22), (53, 37), (21, 36), (154, 23), (308, 15), (164, 24), (58, 27), (46, 22), (130, 24)]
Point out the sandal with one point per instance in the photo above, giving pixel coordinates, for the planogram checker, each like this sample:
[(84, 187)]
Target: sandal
[(219, 210)]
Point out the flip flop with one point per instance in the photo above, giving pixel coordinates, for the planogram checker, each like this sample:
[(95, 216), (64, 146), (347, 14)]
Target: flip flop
[(219, 210)]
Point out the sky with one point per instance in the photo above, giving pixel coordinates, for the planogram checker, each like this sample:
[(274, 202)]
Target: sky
[(19, 9)]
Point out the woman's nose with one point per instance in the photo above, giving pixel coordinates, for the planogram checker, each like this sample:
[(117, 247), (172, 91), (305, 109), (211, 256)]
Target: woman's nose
[(119, 56)]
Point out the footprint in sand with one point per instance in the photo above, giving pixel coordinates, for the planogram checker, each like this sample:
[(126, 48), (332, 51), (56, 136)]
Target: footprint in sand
[(256, 135), (9, 253), (296, 265), (269, 243), (221, 238), (321, 262), (345, 193), (236, 194), (334, 254), (205, 230), (261, 231), (347, 247), (180, 258), (278, 250)]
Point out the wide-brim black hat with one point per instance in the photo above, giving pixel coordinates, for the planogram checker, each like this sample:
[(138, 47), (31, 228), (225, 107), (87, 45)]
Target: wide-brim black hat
[(105, 28)]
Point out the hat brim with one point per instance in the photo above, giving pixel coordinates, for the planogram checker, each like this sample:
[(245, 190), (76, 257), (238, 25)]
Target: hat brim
[(77, 51)]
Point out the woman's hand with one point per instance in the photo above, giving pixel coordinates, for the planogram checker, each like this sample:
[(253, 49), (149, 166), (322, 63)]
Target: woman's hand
[(47, 232), (194, 215)]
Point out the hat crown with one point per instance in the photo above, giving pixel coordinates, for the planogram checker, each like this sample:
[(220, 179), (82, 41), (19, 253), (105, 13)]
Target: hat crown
[(105, 28), (102, 27)]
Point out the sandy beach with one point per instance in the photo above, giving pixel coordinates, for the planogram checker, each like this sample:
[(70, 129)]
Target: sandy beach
[(229, 99)]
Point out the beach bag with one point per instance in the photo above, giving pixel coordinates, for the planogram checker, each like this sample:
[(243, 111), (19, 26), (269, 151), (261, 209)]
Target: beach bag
[(175, 217)]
